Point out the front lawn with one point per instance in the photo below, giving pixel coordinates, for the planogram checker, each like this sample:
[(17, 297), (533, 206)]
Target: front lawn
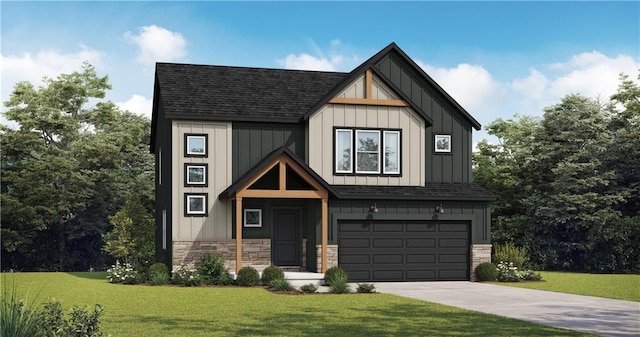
[(616, 286), (232, 311)]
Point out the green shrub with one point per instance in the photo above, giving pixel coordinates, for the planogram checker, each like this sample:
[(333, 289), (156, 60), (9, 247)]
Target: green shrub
[(248, 277), (366, 288), (213, 271), (271, 273), (530, 275), (281, 284), (510, 253), (309, 288), (334, 272), (486, 271), (123, 273), (158, 268), (81, 322), (19, 317), (186, 277), (157, 277), (338, 285), (508, 272)]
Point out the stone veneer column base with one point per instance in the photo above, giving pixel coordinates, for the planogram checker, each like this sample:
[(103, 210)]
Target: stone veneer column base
[(255, 252), (479, 253), (332, 257)]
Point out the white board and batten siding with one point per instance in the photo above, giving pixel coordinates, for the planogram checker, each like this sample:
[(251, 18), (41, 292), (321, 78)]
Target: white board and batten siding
[(322, 127), (219, 176)]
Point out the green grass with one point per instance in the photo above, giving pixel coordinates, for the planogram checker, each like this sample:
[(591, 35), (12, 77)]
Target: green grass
[(616, 286), (233, 311)]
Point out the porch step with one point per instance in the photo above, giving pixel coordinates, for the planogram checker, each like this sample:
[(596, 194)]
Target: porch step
[(300, 278)]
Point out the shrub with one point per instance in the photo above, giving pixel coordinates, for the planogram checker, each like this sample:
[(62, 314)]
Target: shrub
[(17, 318), (281, 284), (508, 272), (309, 288), (334, 272), (486, 271), (186, 277), (81, 322), (510, 253), (158, 277), (271, 273), (530, 275), (248, 277), (158, 268), (366, 288), (213, 271), (339, 285), (123, 273)]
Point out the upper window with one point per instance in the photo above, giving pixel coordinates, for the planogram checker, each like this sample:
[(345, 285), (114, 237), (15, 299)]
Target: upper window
[(367, 151), (443, 143), (195, 145), (195, 175)]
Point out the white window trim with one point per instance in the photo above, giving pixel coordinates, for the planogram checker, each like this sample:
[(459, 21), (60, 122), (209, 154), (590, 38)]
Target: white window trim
[(204, 141), (259, 211), (204, 203), (350, 131), (357, 152), (435, 144), (204, 174), (398, 152)]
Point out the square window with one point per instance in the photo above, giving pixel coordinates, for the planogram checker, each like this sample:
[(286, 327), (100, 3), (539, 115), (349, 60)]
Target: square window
[(253, 217), (443, 143), (195, 145), (195, 204), (195, 175)]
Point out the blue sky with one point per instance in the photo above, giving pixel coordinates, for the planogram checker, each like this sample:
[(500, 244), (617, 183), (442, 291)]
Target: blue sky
[(495, 58)]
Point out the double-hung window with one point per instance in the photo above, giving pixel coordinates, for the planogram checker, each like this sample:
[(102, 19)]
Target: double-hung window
[(367, 151)]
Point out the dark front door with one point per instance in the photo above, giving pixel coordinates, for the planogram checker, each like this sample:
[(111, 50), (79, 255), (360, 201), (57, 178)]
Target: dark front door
[(286, 237)]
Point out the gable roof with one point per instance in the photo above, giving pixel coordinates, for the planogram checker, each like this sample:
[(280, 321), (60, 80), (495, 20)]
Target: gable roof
[(239, 93)]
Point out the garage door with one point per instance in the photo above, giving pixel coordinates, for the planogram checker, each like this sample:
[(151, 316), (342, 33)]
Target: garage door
[(380, 250)]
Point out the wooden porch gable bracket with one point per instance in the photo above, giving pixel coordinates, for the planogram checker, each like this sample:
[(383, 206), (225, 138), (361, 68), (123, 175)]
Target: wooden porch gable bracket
[(368, 100), (319, 192)]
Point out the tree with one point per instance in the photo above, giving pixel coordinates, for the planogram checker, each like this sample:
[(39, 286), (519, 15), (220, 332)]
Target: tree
[(66, 168)]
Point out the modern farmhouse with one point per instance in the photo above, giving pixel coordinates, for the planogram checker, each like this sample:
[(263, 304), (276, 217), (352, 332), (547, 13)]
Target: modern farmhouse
[(368, 170)]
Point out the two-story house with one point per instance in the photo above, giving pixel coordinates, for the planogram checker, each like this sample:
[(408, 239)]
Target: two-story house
[(368, 170)]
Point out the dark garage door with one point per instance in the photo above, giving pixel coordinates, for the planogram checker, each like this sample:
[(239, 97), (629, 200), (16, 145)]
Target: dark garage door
[(380, 250)]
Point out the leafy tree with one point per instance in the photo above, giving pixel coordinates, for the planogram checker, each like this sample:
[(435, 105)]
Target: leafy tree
[(67, 167)]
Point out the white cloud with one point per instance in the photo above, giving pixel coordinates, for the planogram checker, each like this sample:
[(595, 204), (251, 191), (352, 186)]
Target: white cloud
[(51, 63), (137, 104), (157, 44), (307, 62)]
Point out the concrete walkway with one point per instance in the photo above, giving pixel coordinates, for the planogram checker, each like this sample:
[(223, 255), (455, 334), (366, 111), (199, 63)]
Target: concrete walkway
[(600, 316)]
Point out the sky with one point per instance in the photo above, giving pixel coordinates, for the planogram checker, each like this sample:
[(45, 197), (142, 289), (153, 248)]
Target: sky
[(496, 59)]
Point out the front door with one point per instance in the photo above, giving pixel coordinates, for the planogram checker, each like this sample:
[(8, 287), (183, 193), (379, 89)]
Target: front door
[(286, 237)]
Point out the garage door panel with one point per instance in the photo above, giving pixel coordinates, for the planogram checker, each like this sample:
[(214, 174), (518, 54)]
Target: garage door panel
[(387, 258), (428, 250), (421, 243), (420, 258), (388, 243)]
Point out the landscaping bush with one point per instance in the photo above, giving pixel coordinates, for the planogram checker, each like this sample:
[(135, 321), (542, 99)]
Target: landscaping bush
[(123, 273), (213, 271), (158, 277), (81, 322), (309, 288), (486, 271), (334, 272), (248, 277), (510, 253), (508, 272), (530, 275), (186, 277), (338, 284), (281, 284), (271, 273), (158, 268), (366, 288)]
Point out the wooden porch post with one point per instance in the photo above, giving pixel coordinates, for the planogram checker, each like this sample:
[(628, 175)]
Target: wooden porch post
[(238, 234), (325, 233)]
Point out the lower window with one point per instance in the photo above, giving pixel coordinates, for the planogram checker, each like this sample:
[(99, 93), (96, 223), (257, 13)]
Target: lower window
[(195, 204)]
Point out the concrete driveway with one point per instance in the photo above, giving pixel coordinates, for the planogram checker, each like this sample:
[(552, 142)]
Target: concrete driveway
[(594, 315)]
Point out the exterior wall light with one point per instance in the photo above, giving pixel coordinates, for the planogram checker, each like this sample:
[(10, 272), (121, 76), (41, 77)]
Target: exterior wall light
[(439, 209), (373, 208)]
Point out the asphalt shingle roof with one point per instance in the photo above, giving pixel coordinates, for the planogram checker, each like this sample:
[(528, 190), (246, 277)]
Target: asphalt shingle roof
[(240, 93)]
